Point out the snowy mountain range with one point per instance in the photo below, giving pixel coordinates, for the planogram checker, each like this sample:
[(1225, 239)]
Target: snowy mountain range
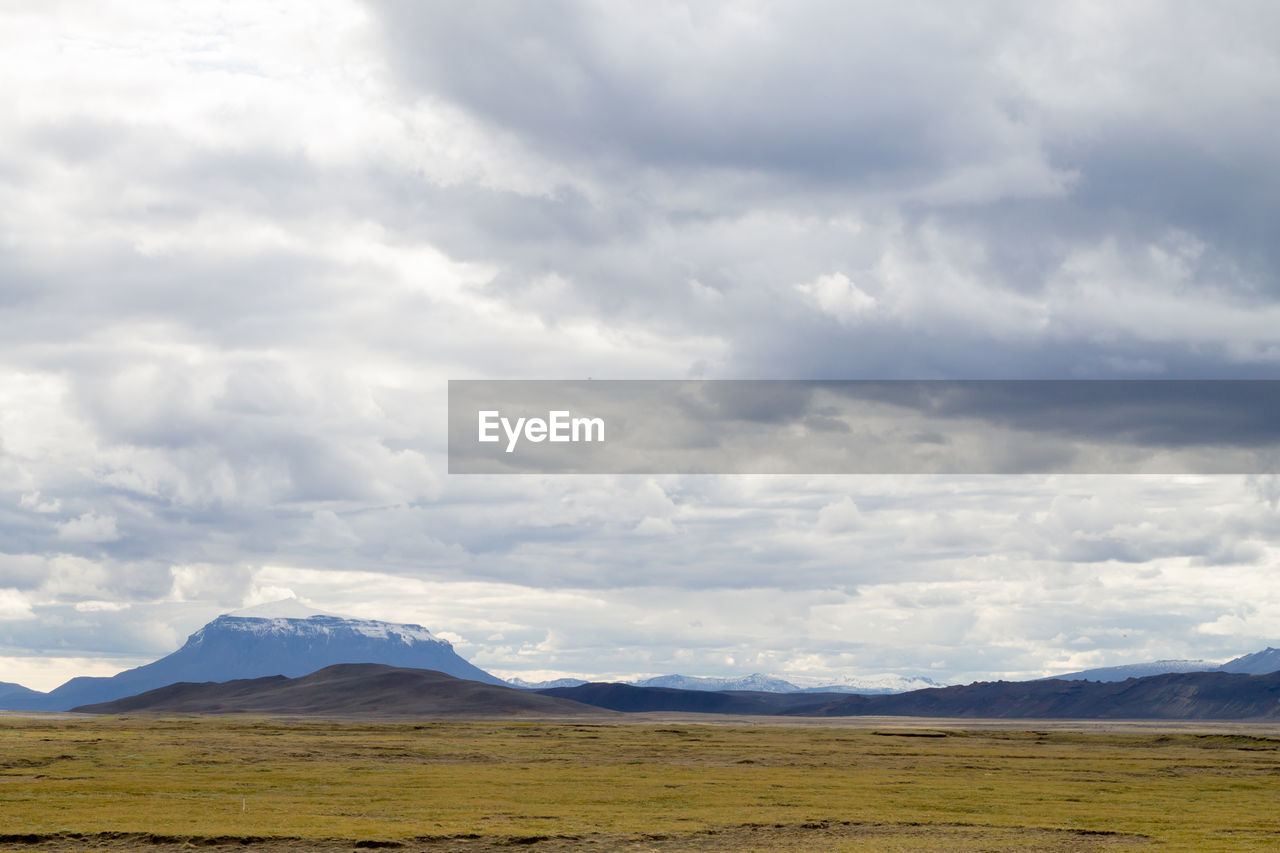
[(756, 682), (1258, 663), (871, 684), (545, 685), (1137, 670), (282, 638)]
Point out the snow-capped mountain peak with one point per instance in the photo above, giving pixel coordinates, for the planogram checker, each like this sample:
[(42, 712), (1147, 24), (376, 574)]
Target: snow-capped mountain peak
[(322, 625), (293, 616)]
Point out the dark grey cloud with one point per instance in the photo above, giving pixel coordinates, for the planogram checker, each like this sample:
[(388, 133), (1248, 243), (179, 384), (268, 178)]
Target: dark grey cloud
[(820, 91), (1148, 413), (1000, 146)]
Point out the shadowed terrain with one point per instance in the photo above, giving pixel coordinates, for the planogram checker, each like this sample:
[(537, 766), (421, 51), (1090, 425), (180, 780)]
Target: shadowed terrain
[(1173, 696), (631, 698), (349, 690)]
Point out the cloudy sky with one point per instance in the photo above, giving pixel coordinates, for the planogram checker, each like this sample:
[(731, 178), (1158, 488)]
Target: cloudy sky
[(244, 246)]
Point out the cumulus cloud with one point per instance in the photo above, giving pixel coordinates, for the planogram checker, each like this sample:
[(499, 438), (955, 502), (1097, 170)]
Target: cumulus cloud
[(839, 516), (89, 527), (13, 605), (836, 295), (39, 504)]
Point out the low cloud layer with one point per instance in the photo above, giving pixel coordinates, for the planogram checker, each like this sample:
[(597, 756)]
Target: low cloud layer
[(243, 250)]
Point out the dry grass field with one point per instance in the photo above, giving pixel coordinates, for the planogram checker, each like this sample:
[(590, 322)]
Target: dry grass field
[(657, 784)]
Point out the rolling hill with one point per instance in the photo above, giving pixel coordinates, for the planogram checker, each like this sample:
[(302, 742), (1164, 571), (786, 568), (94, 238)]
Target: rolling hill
[(349, 690)]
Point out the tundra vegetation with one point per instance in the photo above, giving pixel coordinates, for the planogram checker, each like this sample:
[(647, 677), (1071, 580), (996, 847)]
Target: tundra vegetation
[(657, 784)]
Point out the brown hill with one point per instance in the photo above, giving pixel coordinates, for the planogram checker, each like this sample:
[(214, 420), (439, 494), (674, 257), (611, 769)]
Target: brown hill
[(349, 690)]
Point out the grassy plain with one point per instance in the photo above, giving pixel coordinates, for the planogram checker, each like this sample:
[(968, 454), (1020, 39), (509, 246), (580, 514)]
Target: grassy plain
[(122, 783)]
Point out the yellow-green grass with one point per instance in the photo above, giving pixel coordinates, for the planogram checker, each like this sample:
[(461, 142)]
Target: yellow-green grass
[(386, 781)]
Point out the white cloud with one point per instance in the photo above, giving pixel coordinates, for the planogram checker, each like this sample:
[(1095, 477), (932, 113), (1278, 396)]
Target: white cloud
[(836, 295), (34, 501), (89, 527), (840, 516), (14, 605), (650, 526)]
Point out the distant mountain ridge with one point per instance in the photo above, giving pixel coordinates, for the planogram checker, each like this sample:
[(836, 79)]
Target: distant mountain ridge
[(760, 682), (543, 685), (1135, 670), (8, 689), (1257, 663), (286, 639), (1171, 696), (756, 682)]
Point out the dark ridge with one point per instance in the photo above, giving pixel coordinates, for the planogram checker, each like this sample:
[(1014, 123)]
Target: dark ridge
[(628, 697), (1172, 696), (354, 689)]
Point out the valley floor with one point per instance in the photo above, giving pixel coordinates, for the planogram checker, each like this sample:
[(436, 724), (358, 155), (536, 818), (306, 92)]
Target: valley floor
[(660, 783)]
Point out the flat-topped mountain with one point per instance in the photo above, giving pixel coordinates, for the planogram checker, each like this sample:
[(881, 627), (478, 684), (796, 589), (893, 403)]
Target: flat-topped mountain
[(283, 638)]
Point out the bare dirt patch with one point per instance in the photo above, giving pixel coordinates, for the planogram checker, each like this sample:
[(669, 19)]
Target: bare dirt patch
[(822, 835)]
